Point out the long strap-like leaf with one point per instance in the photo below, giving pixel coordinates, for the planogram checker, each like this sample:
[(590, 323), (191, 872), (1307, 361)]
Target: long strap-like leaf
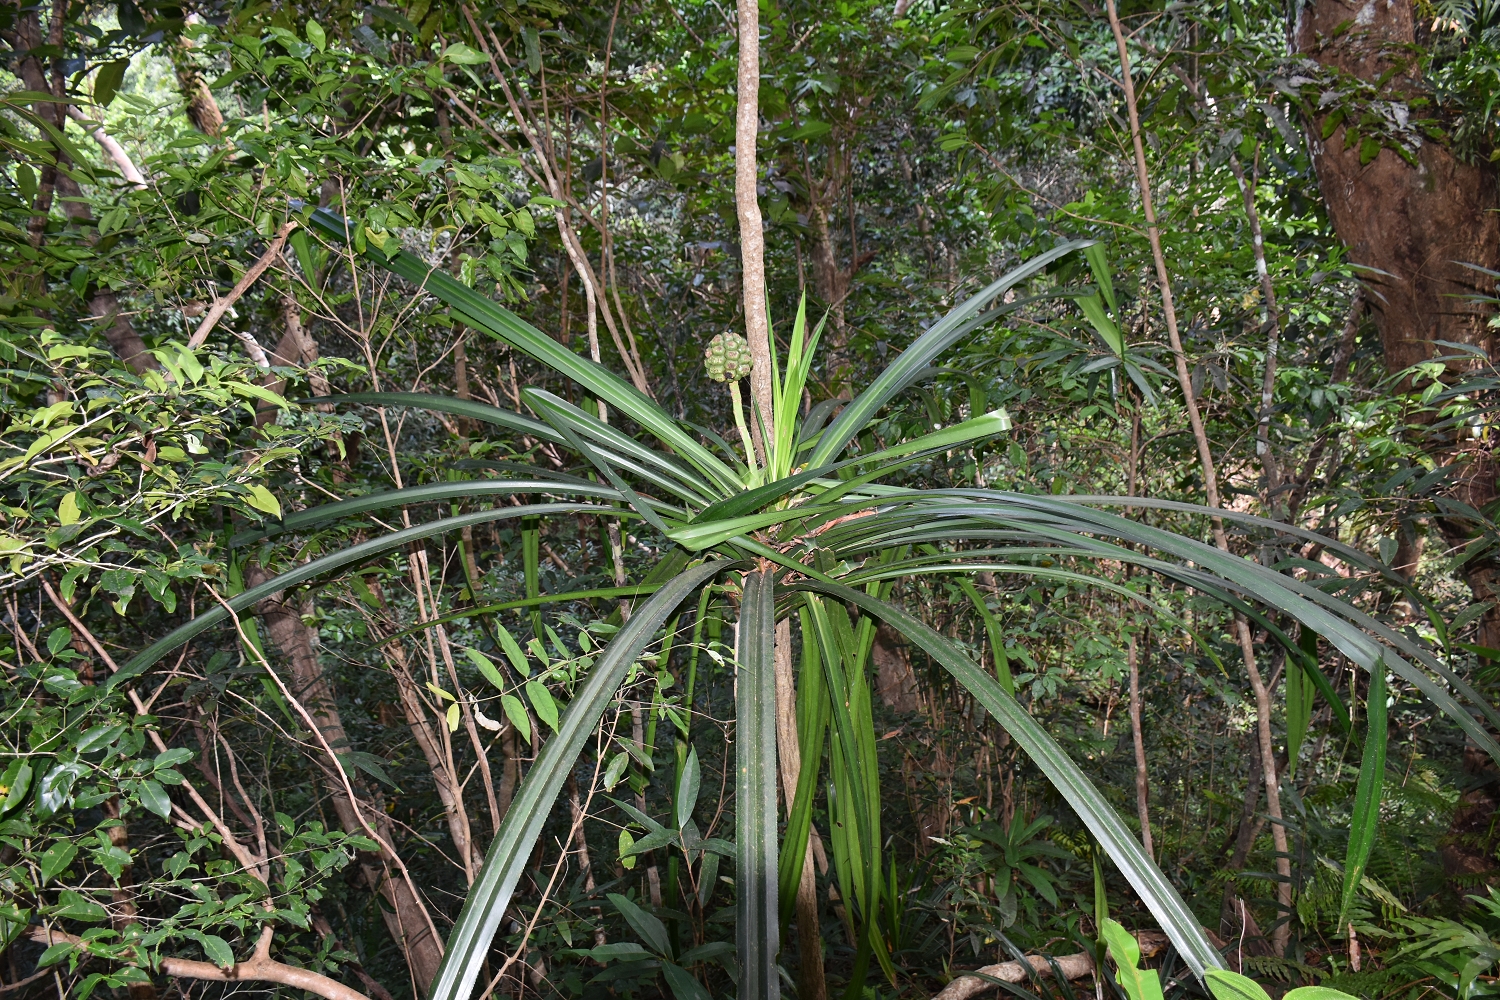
[(492, 318), (484, 908), (1366, 817), (336, 560), (429, 493), (1345, 626), (813, 713), (1097, 814), (471, 408), (909, 363), (758, 924)]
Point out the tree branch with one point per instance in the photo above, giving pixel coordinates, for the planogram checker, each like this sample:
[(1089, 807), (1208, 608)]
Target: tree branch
[(109, 145), (221, 306), (259, 969)]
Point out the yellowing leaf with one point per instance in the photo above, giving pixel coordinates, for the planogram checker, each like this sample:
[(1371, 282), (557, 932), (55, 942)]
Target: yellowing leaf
[(627, 860), (67, 509), (261, 499), (453, 718)]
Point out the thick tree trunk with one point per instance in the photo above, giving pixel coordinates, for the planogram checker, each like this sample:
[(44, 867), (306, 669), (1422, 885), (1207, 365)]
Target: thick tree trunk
[(1416, 226)]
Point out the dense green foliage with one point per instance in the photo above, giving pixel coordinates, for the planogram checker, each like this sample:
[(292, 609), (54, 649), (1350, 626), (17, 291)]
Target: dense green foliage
[(394, 600)]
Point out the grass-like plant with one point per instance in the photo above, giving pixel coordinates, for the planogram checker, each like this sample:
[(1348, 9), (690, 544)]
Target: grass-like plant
[(810, 533)]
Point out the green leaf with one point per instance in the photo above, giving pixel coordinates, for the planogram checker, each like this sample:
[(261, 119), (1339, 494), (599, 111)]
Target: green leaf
[(1366, 816), (687, 789), (513, 651), (531, 41), (317, 36), (911, 362), (262, 499), (615, 771), (813, 711), (629, 950), (1160, 897), (154, 798), (1098, 258), (1139, 984), (107, 81), (651, 930), (54, 954), (1316, 993), (67, 509), (483, 314), (811, 129), (757, 917), (469, 942), (473, 409), (15, 784), (76, 906), (708, 875), (431, 493), (486, 667), (1093, 311), (516, 712), (55, 860), (172, 757), (541, 700), (217, 950), (682, 983), (1227, 985), (463, 55), (1299, 692), (626, 847)]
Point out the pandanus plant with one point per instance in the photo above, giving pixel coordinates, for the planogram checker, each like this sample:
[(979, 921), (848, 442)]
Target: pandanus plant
[(807, 531)]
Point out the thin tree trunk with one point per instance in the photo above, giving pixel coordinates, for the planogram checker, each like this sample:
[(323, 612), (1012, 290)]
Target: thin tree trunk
[(585, 864), (828, 279), (1211, 487), (1142, 775), (811, 982), (406, 916), (752, 238)]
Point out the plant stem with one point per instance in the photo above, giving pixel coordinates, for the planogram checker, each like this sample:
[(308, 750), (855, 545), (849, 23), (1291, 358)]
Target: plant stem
[(1142, 775), (811, 984), (1282, 934), (751, 442), (752, 238)]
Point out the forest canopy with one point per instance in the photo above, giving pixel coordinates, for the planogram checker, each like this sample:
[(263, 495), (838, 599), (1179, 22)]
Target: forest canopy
[(684, 499)]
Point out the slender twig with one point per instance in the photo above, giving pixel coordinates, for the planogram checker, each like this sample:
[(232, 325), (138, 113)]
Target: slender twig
[(1211, 488), (221, 306)]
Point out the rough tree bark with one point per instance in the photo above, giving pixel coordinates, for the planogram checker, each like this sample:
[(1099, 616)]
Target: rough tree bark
[(1415, 226)]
